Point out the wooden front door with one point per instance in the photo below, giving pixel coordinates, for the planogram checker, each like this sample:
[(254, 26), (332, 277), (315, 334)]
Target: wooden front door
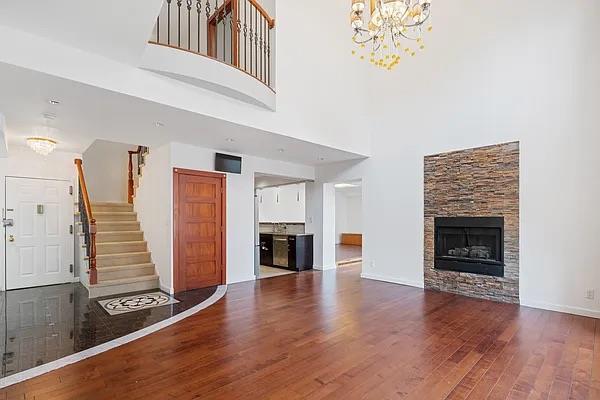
[(199, 229)]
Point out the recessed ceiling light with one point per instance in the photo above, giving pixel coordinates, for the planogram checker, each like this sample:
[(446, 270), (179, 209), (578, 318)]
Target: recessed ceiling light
[(230, 140), (53, 102), (49, 116), (159, 124), (321, 158), (281, 150), (344, 185)]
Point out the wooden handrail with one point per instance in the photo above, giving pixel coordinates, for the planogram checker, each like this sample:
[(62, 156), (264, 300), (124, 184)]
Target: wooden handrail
[(92, 223), (86, 197), (264, 13), (218, 13), (130, 183)]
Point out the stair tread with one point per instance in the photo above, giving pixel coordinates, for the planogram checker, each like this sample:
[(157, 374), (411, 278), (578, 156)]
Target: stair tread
[(116, 222), (121, 281), (111, 203), (119, 232), (133, 253), (121, 242), (125, 266), (114, 212)]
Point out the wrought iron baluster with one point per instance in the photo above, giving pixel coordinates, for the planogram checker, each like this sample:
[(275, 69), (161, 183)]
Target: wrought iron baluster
[(238, 33), (158, 29), (189, 10), (251, 38), (245, 35), (179, 23), (217, 13), (198, 13), (224, 19), (169, 21), (269, 56), (255, 42)]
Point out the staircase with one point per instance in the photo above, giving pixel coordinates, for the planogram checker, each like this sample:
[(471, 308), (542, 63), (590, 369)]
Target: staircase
[(123, 261)]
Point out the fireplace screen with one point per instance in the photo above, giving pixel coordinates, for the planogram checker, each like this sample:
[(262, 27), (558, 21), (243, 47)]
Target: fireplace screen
[(470, 244)]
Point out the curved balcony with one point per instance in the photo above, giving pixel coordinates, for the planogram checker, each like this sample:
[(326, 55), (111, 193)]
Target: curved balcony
[(226, 46)]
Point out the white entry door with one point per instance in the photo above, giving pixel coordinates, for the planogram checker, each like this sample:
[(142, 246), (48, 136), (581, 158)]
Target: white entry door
[(39, 244)]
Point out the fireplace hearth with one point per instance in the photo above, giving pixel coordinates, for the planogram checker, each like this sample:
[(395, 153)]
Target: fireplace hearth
[(470, 244)]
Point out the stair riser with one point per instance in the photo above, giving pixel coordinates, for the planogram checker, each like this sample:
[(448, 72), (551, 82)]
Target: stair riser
[(112, 208), (125, 259), (124, 273), (126, 216), (124, 288), (112, 248), (108, 227), (119, 237)]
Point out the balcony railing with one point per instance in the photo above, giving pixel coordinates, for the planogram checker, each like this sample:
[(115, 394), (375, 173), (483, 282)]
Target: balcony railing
[(237, 32)]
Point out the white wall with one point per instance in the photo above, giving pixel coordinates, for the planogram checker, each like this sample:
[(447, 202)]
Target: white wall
[(282, 204), (24, 162), (154, 204), (303, 111), (106, 170), (348, 214), (499, 78)]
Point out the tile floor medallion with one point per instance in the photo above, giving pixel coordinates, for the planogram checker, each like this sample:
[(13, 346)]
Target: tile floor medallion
[(125, 304)]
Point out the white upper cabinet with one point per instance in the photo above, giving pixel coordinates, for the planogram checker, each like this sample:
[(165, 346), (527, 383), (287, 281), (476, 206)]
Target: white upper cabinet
[(282, 204)]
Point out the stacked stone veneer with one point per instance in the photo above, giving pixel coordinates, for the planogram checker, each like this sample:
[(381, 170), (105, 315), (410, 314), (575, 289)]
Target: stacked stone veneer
[(481, 182)]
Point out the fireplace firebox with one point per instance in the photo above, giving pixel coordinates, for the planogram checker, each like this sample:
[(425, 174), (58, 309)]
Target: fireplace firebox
[(470, 244)]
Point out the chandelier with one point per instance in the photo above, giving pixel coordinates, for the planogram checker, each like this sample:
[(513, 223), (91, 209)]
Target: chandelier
[(389, 29), (41, 145)]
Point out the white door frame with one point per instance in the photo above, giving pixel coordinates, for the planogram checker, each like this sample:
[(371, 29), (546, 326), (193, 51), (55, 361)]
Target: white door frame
[(71, 254)]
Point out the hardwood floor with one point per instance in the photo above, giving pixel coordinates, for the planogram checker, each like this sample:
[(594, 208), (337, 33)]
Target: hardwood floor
[(333, 335), (344, 252)]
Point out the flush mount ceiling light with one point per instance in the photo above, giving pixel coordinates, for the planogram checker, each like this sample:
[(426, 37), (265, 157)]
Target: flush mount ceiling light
[(41, 142), (230, 140), (40, 145), (53, 102), (389, 28)]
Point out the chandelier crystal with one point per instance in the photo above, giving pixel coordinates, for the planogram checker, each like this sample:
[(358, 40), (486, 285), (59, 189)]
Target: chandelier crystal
[(40, 145), (387, 30)]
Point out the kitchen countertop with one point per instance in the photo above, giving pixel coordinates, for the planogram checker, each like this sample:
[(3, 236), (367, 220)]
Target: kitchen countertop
[(286, 234)]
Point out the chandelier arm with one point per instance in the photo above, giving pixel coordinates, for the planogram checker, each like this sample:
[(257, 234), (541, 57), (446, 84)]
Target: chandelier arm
[(419, 23)]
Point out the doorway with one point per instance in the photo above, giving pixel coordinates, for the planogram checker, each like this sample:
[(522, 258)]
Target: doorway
[(38, 232), (282, 244), (199, 234), (348, 223)]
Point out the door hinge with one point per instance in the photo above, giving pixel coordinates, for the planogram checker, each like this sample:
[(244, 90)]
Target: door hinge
[(71, 229), (71, 190), (71, 268)]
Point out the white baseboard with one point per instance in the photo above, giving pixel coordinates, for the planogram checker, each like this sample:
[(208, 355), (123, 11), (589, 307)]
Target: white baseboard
[(389, 279), (167, 289), (586, 312), (325, 267)]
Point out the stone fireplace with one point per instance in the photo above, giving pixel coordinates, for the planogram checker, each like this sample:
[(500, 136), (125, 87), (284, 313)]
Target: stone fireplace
[(472, 222)]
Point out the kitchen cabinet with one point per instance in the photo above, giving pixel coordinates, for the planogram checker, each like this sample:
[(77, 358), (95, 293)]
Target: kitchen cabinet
[(293, 252), (266, 249)]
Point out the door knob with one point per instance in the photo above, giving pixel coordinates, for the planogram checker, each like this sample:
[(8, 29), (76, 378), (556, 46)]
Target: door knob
[(11, 238)]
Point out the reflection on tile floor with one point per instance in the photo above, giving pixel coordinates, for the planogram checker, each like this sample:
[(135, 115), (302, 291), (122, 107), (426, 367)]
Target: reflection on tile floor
[(39, 325)]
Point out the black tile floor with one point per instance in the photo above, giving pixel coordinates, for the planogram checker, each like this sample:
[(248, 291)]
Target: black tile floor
[(43, 324)]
